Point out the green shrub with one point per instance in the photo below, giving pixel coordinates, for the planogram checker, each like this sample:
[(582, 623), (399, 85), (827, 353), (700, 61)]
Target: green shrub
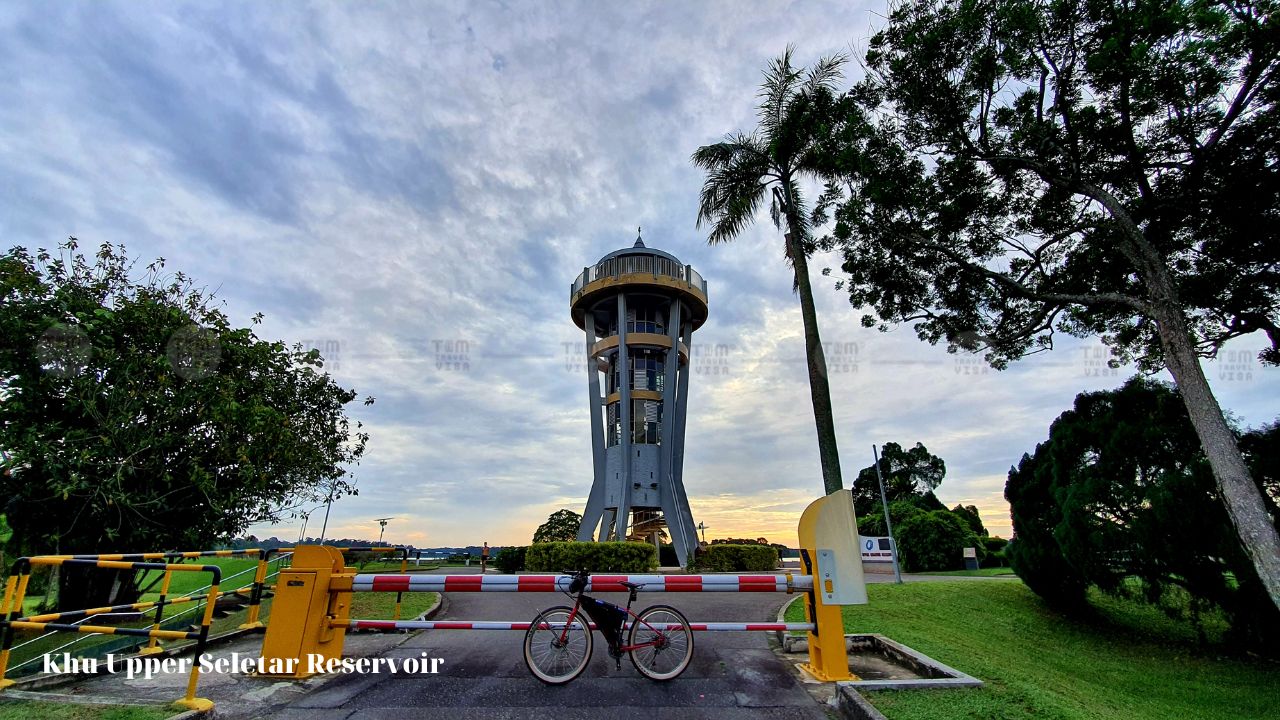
[(730, 558), (995, 551), (510, 559), (935, 541), (627, 557)]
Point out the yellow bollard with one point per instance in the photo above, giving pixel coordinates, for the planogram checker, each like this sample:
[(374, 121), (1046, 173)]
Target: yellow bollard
[(829, 548)]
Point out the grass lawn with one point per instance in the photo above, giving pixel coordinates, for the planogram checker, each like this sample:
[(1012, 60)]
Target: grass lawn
[(1130, 661), (382, 605), (184, 582), (980, 572), (24, 710)]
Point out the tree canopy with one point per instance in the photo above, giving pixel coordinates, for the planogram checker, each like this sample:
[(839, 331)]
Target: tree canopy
[(561, 526), (137, 417), (1013, 169), (1120, 493), (910, 474)]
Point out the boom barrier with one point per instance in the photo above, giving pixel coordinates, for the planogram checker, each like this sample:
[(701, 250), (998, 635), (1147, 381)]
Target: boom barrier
[(597, 583), (313, 599), (493, 625)]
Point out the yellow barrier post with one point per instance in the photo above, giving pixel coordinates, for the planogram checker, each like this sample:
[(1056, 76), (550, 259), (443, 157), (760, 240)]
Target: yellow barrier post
[(153, 645), (404, 568), (311, 606), (190, 701), (255, 598), (829, 548), (14, 611)]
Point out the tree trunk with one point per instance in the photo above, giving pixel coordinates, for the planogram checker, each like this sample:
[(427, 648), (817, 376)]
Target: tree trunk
[(81, 587), (1244, 502), (819, 387)]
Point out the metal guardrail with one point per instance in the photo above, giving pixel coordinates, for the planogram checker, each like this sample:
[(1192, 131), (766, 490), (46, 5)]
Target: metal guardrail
[(16, 590)]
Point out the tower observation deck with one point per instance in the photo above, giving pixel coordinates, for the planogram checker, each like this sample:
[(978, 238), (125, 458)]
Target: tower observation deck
[(638, 307)]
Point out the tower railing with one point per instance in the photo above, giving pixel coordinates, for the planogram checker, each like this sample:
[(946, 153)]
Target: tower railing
[(630, 264)]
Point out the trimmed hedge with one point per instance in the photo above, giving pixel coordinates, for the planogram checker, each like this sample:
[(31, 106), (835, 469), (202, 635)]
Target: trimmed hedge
[(510, 559), (628, 557), (730, 558)]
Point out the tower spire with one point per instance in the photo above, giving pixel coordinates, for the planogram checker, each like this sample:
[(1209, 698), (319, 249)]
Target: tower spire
[(639, 240)]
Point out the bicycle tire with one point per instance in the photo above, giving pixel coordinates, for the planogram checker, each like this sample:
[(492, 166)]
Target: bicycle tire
[(672, 654), (548, 660)]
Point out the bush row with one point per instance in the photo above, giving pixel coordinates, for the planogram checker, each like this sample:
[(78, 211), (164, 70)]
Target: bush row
[(730, 558), (510, 559), (628, 557)]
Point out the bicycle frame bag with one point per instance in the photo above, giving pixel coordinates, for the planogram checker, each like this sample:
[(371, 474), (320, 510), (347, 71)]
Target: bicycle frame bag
[(608, 618)]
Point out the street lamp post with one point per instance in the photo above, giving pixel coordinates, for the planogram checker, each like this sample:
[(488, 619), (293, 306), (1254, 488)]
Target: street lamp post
[(888, 526), (382, 522)]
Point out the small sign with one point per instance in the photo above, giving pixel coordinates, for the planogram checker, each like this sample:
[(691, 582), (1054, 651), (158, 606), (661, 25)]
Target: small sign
[(971, 552)]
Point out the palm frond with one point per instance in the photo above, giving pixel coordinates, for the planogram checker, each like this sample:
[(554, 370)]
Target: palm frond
[(825, 73), (779, 84), (737, 176)]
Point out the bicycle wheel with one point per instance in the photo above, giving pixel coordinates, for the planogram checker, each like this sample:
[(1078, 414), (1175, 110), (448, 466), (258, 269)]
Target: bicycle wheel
[(671, 638), (553, 655)]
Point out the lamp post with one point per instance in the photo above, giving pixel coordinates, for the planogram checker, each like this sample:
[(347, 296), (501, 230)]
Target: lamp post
[(893, 544), (382, 523)]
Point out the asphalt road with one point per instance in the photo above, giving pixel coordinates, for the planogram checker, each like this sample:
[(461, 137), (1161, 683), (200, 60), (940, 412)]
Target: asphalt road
[(483, 675)]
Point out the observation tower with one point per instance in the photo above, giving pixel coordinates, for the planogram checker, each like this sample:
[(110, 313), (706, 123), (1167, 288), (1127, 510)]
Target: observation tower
[(638, 307)]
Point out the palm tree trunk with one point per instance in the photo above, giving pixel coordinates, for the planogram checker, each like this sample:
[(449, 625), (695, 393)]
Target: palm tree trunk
[(819, 388)]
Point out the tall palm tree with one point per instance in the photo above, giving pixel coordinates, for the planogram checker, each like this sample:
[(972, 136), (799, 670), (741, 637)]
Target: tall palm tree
[(769, 162)]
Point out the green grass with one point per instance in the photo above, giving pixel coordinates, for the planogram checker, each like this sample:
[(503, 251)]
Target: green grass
[(185, 582), (980, 572), (382, 605), (25, 710), (1130, 661)]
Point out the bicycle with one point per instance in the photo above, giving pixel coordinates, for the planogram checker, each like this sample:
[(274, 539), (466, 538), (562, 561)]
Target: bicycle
[(558, 643)]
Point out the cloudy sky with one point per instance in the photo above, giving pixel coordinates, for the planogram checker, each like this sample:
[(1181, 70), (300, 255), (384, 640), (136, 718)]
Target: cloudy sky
[(411, 188)]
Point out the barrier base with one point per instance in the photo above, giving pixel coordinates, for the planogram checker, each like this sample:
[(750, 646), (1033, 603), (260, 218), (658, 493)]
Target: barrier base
[(823, 676), (150, 651), (7, 683), (252, 626), (197, 704)]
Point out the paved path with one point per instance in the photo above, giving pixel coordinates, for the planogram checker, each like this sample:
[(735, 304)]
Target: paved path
[(732, 675)]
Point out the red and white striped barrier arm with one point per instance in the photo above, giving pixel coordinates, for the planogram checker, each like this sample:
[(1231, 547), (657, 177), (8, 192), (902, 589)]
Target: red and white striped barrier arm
[(492, 625), (598, 583)]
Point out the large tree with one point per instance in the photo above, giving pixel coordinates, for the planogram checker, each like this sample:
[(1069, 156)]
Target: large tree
[(1120, 493), (135, 417), (561, 526), (769, 163), (910, 475), (1009, 169)]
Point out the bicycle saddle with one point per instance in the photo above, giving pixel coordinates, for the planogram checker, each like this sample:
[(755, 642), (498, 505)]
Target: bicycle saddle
[(630, 585)]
